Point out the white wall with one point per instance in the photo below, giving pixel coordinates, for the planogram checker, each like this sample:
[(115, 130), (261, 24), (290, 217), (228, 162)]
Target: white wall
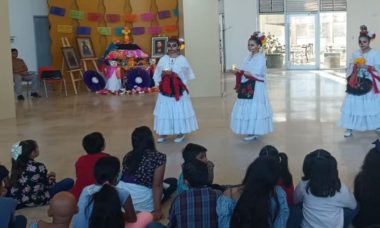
[(364, 12), (21, 24), (202, 46), (240, 22)]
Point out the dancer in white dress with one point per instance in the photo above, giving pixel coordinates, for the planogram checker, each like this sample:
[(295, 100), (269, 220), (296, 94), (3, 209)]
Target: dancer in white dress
[(252, 112), (174, 113), (362, 112)]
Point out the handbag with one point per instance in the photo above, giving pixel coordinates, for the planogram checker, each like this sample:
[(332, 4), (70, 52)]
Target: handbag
[(246, 89), (358, 85)]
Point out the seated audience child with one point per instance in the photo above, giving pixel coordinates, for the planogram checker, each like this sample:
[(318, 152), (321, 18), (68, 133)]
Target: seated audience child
[(8, 205), (258, 202), (143, 173), (367, 189), (100, 204), (94, 145), (285, 180), (189, 153), (323, 195), (195, 207), (31, 184), (62, 208)]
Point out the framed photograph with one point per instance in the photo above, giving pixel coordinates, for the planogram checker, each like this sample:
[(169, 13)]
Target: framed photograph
[(159, 46), (85, 47), (70, 57)]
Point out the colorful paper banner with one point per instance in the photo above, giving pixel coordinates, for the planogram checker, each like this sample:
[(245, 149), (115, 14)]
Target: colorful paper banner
[(175, 12), (112, 18), (119, 31), (170, 28), (130, 18), (164, 14), (154, 30), (76, 14), (94, 16), (105, 31), (83, 30), (138, 31), (147, 16), (57, 11), (65, 28)]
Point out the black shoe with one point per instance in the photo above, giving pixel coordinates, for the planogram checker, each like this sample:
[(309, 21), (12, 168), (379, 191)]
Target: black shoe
[(20, 97), (36, 95)]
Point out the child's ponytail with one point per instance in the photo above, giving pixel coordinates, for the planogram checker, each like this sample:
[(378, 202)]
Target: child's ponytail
[(285, 174), (106, 211)]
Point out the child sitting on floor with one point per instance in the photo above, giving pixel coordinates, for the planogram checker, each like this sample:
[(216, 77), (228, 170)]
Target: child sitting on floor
[(8, 205), (190, 153), (94, 145), (31, 184), (101, 204), (62, 208), (322, 194)]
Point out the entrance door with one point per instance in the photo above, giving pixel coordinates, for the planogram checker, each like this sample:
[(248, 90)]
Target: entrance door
[(41, 31), (302, 41)]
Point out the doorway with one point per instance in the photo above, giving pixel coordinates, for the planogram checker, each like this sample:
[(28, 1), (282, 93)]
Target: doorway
[(41, 31), (301, 36)]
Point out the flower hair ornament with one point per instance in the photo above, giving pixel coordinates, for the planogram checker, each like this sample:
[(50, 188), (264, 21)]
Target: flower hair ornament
[(259, 36), (181, 43), (377, 145), (364, 32), (16, 150)]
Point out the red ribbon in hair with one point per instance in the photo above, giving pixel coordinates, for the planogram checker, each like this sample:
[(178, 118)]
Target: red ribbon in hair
[(171, 81)]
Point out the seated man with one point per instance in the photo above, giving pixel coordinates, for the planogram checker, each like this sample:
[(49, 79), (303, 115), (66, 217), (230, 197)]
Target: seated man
[(20, 73)]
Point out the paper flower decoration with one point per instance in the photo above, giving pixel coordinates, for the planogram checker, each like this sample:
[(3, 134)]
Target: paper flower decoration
[(126, 32)]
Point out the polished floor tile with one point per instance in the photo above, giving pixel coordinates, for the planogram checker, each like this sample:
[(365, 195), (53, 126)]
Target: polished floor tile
[(306, 106)]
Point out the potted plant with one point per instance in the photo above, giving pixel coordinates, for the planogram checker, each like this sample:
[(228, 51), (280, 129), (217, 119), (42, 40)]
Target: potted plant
[(274, 52)]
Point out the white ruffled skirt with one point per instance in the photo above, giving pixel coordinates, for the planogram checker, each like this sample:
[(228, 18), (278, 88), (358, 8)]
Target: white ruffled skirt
[(173, 117), (361, 113), (253, 116), (113, 83)]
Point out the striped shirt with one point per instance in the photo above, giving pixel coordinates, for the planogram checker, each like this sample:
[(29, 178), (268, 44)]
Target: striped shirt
[(195, 208)]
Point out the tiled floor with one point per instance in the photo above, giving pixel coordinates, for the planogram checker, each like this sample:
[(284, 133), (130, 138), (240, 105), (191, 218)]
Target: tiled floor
[(306, 106)]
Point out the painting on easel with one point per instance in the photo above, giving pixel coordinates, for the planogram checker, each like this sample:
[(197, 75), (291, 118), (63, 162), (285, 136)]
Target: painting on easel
[(71, 59), (85, 47)]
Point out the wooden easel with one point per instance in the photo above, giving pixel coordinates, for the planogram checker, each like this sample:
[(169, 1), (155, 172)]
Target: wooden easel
[(76, 75), (91, 60)]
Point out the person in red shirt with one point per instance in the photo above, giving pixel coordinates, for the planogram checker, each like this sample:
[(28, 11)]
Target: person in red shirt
[(93, 144)]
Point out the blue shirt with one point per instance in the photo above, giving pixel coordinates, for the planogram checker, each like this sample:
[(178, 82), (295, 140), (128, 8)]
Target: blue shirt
[(84, 214), (225, 207)]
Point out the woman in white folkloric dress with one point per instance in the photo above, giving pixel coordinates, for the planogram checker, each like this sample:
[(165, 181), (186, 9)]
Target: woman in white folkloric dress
[(252, 112), (362, 111), (174, 113)]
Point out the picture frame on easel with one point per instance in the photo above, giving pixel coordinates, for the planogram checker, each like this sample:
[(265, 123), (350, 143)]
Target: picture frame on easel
[(71, 59), (85, 48)]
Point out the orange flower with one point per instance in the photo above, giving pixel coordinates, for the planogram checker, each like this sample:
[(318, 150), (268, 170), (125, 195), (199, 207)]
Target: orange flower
[(359, 60)]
